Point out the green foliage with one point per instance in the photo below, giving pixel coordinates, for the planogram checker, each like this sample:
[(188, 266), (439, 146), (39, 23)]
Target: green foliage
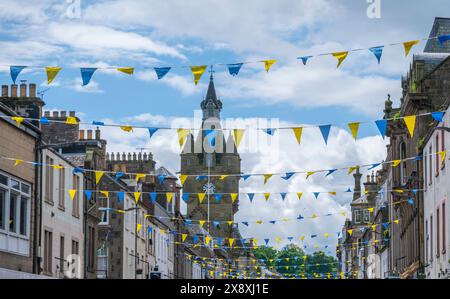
[(291, 259)]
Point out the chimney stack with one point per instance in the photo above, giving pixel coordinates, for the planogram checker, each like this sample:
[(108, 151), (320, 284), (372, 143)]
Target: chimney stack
[(63, 114), (14, 90), (72, 113), (55, 114), (23, 90), (81, 134), (89, 134), (32, 90), (47, 114), (97, 134), (5, 91)]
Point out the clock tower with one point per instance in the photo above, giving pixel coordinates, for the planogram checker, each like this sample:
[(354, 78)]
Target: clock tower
[(206, 158)]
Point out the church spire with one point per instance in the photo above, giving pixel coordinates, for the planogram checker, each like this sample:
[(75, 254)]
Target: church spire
[(211, 105)]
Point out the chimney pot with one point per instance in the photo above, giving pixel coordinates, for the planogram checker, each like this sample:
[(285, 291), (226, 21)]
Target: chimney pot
[(32, 90), (23, 90), (81, 134), (71, 113), (55, 114), (63, 114), (5, 91), (97, 134), (89, 134), (47, 114), (14, 90)]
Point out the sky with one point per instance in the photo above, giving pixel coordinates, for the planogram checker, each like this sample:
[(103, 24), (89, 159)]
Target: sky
[(145, 34)]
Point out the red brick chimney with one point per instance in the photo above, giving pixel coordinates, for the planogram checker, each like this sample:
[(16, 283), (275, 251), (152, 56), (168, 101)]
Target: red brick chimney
[(5, 91), (14, 90)]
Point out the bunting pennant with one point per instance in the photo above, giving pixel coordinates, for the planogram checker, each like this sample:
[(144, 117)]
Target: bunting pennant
[(149, 230), (17, 162), (183, 178), (250, 196), (298, 134), (127, 128), (267, 177), (207, 239), (330, 172), (15, 71), (238, 134), (270, 131), (352, 169), (198, 71), (169, 196), (201, 222), (88, 194), (246, 176), (140, 176), (354, 127), (105, 193), (18, 120), (71, 120), (309, 173), (233, 197), (325, 130), (267, 196), (268, 64), (183, 237), (299, 195), (182, 134), (410, 122), (288, 175), (218, 197), (201, 196), (231, 241), (439, 116), (153, 197), (443, 38), (152, 131), (211, 136), (161, 179), (409, 45), (138, 227), (121, 195), (382, 126), (126, 70), (137, 195), (98, 176), (442, 154), (395, 163), (316, 194), (185, 197), (304, 59), (340, 57), (350, 231), (234, 68), (283, 195), (377, 51), (52, 71), (86, 74), (72, 193), (161, 71)]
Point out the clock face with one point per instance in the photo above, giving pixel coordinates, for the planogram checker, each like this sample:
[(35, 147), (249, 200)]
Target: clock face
[(209, 188)]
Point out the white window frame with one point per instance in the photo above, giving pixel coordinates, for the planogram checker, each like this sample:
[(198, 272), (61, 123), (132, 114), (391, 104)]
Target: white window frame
[(358, 213), (106, 212)]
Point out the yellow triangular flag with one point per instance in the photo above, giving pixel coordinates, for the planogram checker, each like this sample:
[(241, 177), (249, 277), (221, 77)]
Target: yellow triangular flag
[(395, 163), (127, 128), (169, 196), (309, 173), (138, 227), (230, 223), (277, 239), (326, 235), (268, 63), (17, 162), (352, 169), (299, 195), (72, 193), (222, 177), (98, 176), (18, 120), (267, 177), (183, 178), (163, 232), (350, 231), (442, 154), (255, 242), (332, 193), (231, 241), (105, 193), (51, 71), (183, 237), (201, 222), (302, 238), (370, 210), (313, 216), (201, 196), (198, 71), (267, 196), (182, 133), (354, 127), (71, 120), (207, 239), (139, 176), (233, 197), (238, 134), (396, 221), (409, 45), (410, 122), (56, 166), (137, 195), (298, 134), (340, 57), (126, 70)]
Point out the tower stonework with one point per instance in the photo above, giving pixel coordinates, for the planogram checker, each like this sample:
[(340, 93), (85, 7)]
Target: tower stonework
[(202, 156)]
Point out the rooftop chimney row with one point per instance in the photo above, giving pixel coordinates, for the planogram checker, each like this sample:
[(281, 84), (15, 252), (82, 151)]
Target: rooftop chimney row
[(23, 90)]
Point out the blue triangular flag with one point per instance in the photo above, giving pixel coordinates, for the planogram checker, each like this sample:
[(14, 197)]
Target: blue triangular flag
[(250, 196), (374, 165), (438, 115), (272, 221), (313, 236), (15, 71), (410, 201), (218, 197), (186, 197), (418, 158), (290, 238), (152, 131), (161, 71), (43, 120), (211, 135), (246, 176), (216, 224), (316, 194), (86, 74), (414, 191), (161, 179), (219, 241), (88, 194), (78, 170), (377, 51), (270, 131), (325, 130), (153, 197), (234, 68), (188, 221), (266, 241), (119, 175), (288, 175), (201, 177), (386, 225), (330, 172), (195, 239), (283, 195), (121, 194), (443, 38), (300, 217), (382, 126), (305, 59), (348, 190), (149, 230), (245, 223), (98, 123)]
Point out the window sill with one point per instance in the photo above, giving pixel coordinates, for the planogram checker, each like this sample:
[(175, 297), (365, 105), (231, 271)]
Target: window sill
[(49, 202), (61, 208), (76, 216)]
